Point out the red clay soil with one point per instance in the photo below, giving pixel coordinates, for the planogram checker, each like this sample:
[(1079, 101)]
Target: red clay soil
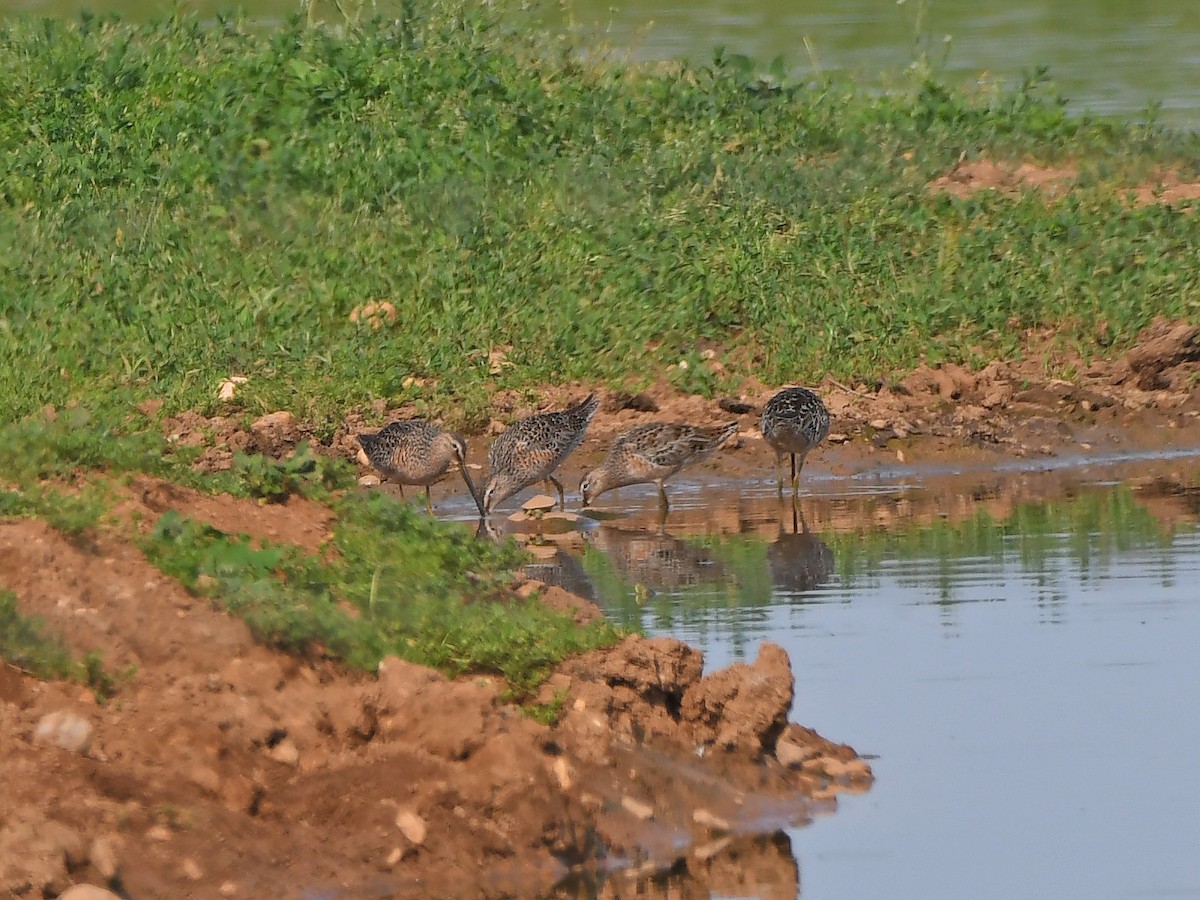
[(224, 768)]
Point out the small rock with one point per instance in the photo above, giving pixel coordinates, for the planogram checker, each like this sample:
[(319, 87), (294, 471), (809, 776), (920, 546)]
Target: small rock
[(285, 752), (711, 849), (705, 819), (205, 778), (838, 438), (562, 773), (65, 729), (227, 889), (395, 856), (790, 753), (879, 424), (87, 892), (637, 809), (103, 855), (272, 422), (159, 833), (191, 869), (228, 387), (369, 481), (737, 407), (411, 826), (539, 502)]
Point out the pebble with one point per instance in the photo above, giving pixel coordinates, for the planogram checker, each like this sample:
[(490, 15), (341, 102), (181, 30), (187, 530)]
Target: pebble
[(103, 855), (205, 778), (65, 729), (706, 819), (562, 773), (159, 833), (227, 889), (87, 892), (637, 808), (285, 752), (191, 869), (369, 481), (412, 826), (791, 754)]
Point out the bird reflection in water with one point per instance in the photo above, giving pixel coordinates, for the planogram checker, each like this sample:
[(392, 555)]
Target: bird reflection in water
[(656, 559), (798, 561)]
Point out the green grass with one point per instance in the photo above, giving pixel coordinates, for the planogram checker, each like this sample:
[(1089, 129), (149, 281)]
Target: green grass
[(393, 580), (26, 644), (401, 584), (181, 202)]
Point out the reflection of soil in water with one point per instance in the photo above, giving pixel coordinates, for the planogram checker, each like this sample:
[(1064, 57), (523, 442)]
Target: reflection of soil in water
[(761, 867)]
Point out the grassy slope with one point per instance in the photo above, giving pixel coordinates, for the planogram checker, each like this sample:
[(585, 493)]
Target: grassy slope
[(392, 581), (179, 203)]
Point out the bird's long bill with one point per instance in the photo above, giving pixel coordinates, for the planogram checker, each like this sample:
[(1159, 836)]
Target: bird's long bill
[(474, 490)]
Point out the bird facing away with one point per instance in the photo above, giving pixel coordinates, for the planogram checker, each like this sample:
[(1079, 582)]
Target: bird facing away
[(793, 422), (417, 452), (653, 453), (531, 449)]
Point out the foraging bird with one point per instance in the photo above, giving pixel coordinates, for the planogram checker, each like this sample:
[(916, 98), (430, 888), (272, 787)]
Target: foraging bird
[(417, 452), (793, 422), (653, 453), (531, 449)]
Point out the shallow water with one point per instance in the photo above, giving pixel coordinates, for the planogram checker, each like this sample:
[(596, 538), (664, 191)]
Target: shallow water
[(1018, 650)]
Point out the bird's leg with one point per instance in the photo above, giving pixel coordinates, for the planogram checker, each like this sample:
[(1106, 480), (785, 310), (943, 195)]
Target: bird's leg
[(562, 502), (401, 488), (795, 481), (779, 471), (428, 501), (662, 497)]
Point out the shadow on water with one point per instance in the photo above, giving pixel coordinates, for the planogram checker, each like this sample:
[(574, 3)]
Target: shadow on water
[(1037, 626)]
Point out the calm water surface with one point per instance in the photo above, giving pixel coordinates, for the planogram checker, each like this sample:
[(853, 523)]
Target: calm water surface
[(1110, 57), (1018, 650)]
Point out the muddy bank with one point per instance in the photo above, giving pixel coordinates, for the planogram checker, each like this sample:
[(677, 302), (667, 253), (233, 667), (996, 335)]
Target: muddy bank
[(224, 768), (1144, 399)]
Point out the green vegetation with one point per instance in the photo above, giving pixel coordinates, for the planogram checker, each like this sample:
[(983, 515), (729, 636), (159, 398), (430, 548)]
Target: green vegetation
[(392, 580), (25, 644), (181, 202), (397, 583)]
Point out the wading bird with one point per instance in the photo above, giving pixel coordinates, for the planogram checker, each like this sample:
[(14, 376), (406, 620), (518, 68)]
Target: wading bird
[(531, 449), (418, 452), (793, 422), (653, 453)]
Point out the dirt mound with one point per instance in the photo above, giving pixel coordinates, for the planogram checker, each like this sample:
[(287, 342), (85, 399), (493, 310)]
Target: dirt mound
[(226, 769), (969, 177)]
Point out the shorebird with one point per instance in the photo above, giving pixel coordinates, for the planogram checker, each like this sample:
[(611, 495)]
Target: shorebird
[(531, 449), (793, 422), (653, 453), (417, 452)]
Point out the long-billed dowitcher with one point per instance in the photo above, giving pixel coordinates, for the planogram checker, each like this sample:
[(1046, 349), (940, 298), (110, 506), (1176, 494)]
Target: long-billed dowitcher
[(653, 453), (531, 449), (418, 452), (793, 422)]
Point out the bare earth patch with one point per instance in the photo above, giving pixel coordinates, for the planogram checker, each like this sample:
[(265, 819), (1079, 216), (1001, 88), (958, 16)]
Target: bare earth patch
[(971, 177), (224, 768)]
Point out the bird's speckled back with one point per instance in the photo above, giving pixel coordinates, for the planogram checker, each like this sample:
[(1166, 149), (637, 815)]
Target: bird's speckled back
[(795, 420)]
